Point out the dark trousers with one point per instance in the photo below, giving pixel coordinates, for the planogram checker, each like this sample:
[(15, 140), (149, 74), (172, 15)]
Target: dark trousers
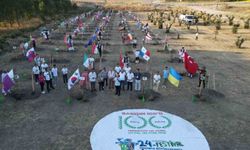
[(92, 86), (65, 78), (106, 81), (117, 90), (123, 85), (101, 85), (48, 85), (51, 84), (203, 82), (36, 77), (130, 86), (42, 86), (100, 52)]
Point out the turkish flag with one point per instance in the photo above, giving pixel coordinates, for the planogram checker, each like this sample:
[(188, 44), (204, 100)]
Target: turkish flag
[(190, 65)]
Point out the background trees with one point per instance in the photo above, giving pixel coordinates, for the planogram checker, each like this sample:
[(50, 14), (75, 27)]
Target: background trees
[(13, 11)]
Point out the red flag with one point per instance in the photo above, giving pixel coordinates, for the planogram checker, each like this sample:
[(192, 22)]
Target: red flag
[(190, 65), (121, 60)]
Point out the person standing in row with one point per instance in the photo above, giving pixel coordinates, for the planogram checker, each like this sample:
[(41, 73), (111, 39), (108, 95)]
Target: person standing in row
[(137, 75), (92, 80), (122, 78), (165, 77), (54, 71), (101, 80), (44, 66), (48, 80), (41, 80), (118, 68), (111, 76), (156, 81), (202, 76), (65, 74), (105, 76), (36, 72), (130, 79), (117, 84)]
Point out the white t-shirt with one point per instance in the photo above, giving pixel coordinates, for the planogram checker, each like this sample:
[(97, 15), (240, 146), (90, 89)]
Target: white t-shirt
[(130, 76), (111, 74), (127, 69), (54, 72), (44, 66), (157, 78), (64, 71), (92, 76), (122, 76), (117, 81), (118, 68), (47, 76), (35, 70)]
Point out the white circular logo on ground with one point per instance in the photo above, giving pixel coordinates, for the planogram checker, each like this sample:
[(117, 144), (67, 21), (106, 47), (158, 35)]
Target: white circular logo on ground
[(143, 129)]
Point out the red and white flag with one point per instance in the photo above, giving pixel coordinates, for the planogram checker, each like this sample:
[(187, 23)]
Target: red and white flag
[(145, 53), (190, 65), (94, 49)]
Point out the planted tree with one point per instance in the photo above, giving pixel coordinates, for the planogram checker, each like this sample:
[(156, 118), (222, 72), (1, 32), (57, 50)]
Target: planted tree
[(235, 28), (230, 19), (240, 40)]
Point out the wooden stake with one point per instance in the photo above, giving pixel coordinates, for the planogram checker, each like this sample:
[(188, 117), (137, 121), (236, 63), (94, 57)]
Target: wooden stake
[(214, 81), (32, 83)]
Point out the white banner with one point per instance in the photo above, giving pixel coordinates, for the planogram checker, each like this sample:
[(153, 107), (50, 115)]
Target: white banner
[(143, 129)]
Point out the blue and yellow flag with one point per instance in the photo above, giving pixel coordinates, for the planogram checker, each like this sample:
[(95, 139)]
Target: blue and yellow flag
[(174, 77)]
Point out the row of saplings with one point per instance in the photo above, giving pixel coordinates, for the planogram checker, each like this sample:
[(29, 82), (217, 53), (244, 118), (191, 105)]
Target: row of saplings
[(157, 17)]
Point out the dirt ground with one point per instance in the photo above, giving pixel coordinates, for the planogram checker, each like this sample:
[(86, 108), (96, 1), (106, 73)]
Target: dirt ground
[(48, 122)]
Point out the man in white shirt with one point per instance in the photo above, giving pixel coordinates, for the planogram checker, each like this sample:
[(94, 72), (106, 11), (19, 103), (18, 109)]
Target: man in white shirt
[(44, 66), (65, 74), (92, 80), (127, 68), (130, 80), (122, 79), (118, 68), (156, 80), (111, 76), (91, 62), (54, 71), (36, 72), (46, 74)]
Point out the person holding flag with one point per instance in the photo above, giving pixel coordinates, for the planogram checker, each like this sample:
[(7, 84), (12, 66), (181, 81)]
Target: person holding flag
[(117, 84)]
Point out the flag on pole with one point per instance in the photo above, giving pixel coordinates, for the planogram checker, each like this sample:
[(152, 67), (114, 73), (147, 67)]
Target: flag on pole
[(174, 77), (94, 49), (121, 60), (145, 54), (31, 54), (8, 81), (148, 37), (74, 79), (86, 60), (190, 65)]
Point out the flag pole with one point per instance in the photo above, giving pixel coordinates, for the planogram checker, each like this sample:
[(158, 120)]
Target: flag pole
[(32, 84)]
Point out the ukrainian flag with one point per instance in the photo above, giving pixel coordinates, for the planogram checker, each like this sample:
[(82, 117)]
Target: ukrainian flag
[(174, 77)]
